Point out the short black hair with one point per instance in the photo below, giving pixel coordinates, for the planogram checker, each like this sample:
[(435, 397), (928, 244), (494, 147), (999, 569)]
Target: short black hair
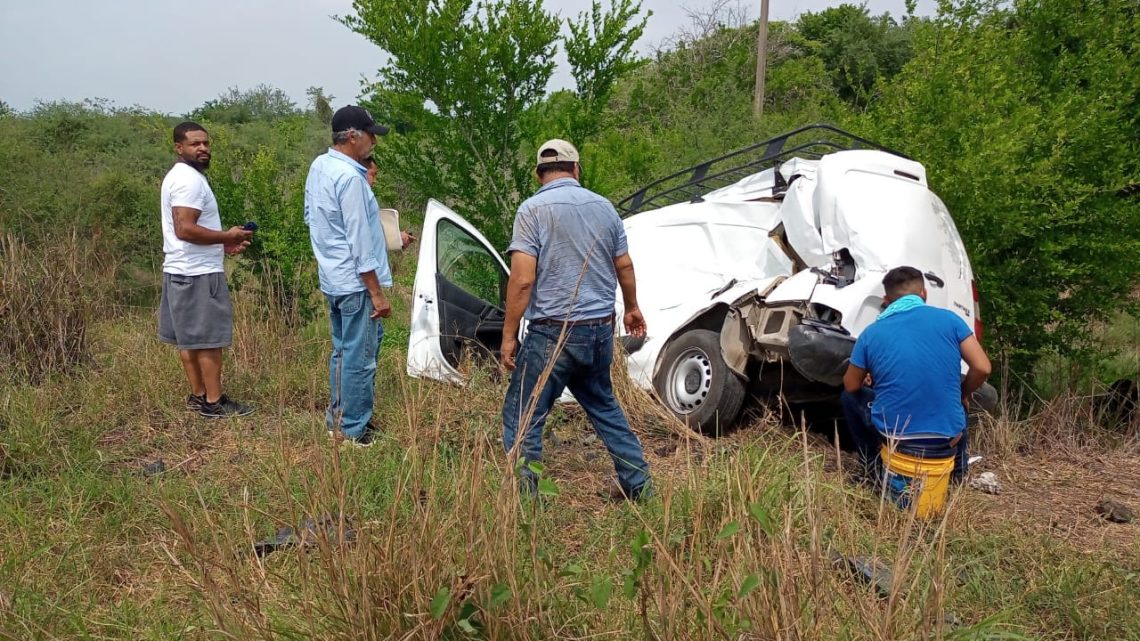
[(186, 127), (368, 162), (901, 281)]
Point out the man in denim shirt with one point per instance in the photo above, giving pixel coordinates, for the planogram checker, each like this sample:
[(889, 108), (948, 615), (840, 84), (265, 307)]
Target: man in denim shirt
[(568, 256), (348, 242)]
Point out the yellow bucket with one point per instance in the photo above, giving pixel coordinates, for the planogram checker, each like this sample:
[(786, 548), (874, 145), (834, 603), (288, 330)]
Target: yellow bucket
[(922, 482)]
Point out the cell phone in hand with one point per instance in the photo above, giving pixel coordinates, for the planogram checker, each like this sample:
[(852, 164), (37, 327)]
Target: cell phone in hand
[(250, 226)]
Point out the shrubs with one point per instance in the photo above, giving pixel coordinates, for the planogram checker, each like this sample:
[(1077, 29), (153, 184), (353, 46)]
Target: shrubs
[(49, 297)]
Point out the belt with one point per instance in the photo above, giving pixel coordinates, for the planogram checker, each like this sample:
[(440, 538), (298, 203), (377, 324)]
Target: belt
[(589, 322)]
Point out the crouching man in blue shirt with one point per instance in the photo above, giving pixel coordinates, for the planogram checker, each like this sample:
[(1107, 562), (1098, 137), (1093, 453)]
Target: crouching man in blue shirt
[(352, 261), (913, 354)]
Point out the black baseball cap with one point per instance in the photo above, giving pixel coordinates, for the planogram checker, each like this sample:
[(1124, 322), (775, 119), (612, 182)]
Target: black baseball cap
[(353, 117)]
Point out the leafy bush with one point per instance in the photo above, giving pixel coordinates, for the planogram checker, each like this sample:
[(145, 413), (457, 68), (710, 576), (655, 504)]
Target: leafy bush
[(465, 87), (237, 106), (1028, 132)]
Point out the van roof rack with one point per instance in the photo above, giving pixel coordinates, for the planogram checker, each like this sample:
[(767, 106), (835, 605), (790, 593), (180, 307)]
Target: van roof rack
[(811, 141)]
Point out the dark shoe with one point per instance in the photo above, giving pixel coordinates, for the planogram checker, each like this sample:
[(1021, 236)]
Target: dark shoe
[(616, 494), (194, 402), (364, 440), (369, 429), (225, 408)]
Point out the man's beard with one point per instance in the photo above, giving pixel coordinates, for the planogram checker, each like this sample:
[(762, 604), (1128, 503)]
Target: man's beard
[(200, 165)]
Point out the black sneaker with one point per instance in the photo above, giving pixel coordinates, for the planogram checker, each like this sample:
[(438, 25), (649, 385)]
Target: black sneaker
[(194, 402), (369, 428), (364, 440), (225, 408)]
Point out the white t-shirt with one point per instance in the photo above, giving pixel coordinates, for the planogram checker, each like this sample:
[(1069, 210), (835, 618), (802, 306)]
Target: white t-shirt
[(185, 186)]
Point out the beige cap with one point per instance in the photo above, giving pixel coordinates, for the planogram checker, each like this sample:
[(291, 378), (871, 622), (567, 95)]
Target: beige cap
[(564, 152)]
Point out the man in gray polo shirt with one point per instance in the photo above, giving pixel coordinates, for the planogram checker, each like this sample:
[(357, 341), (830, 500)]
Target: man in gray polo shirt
[(568, 256)]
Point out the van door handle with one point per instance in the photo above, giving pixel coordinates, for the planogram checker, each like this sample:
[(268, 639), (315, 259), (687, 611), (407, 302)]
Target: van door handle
[(933, 278)]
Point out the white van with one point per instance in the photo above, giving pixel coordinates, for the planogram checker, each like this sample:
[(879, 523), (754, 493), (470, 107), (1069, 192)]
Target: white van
[(767, 257)]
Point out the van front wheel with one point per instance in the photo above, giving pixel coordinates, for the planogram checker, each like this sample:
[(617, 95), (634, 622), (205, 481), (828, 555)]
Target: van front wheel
[(695, 383)]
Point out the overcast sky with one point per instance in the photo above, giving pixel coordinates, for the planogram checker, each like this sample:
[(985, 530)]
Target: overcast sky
[(173, 55)]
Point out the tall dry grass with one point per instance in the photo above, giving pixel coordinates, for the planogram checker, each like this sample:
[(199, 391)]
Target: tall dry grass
[(428, 537), (50, 296), (1026, 422)]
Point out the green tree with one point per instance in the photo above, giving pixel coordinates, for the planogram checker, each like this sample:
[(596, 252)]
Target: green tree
[(463, 76), (600, 52), (857, 49), (1027, 120), (465, 87), (320, 104), (237, 106)]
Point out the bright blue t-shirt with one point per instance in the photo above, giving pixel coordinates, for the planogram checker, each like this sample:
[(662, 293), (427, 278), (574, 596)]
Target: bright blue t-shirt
[(914, 358)]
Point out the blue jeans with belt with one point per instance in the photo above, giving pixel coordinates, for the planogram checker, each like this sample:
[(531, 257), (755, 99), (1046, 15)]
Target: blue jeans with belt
[(582, 364), (352, 365), (868, 439)]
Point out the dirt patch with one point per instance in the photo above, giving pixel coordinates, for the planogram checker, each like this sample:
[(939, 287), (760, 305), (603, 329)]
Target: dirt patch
[(1059, 493), (1054, 492)]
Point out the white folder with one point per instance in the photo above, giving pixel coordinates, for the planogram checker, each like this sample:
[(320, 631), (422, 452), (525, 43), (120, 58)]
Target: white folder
[(390, 223)]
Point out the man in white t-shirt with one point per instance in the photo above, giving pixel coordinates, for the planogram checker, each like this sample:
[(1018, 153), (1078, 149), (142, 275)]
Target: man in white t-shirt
[(194, 312)]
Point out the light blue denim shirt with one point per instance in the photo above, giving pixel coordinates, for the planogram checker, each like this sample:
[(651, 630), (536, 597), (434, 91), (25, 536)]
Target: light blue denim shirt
[(576, 235), (344, 225)]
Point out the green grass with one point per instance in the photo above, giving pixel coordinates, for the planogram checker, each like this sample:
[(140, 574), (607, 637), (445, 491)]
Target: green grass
[(736, 545)]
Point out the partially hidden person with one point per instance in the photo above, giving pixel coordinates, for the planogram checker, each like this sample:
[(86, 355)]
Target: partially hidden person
[(194, 311), (406, 238), (352, 263), (568, 258)]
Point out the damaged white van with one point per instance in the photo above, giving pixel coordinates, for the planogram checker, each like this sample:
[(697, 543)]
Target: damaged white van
[(756, 271)]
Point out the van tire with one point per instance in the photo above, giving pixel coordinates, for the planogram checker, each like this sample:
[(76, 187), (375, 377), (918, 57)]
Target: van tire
[(695, 383)]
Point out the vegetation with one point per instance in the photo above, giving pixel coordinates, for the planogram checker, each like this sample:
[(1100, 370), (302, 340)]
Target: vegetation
[(466, 88), (1026, 117), (739, 543), (1021, 114), (1028, 129)]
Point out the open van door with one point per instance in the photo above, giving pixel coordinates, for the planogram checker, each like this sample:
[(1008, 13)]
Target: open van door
[(458, 298)]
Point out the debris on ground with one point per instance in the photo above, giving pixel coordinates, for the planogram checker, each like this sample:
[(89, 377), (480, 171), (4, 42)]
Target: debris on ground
[(1115, 511), (868, 571), (951, 620), (154, 468), (666, 450), (306, 535), (986, 482)]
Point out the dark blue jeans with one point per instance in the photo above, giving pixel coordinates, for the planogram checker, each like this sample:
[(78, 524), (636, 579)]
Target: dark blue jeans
[(352, 364), (868, 440), (582, 365)]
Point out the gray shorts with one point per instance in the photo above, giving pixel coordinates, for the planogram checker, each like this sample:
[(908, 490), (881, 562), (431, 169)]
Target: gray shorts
[(195, 311)]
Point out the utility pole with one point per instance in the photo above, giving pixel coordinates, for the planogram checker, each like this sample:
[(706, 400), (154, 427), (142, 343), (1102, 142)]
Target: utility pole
[(761, 59)]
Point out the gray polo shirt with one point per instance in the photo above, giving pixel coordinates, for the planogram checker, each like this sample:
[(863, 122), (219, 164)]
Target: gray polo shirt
[(575, 234)]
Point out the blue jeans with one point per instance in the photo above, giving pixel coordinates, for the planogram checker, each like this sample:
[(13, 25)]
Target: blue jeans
[(352, 365), (583, 366), (867, 439)]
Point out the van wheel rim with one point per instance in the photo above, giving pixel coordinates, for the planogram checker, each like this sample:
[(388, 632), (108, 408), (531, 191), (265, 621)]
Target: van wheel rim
[(690, 381)]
